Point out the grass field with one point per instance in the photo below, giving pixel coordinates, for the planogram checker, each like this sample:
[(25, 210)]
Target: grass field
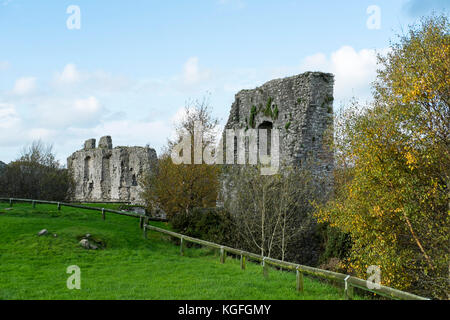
[(33, 267)]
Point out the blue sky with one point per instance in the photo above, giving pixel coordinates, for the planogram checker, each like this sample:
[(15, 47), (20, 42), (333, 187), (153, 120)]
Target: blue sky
[(130, 68)]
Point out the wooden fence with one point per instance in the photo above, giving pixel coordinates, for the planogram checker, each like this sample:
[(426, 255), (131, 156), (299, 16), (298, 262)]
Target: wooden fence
[(348, 281), (61, 204)]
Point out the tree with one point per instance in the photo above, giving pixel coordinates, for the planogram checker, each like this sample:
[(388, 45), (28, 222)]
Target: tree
[(36, 174), (178, 188), (273, 214), (393, 195)]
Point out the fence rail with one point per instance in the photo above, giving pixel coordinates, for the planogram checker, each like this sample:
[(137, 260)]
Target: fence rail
[(349, 281), (65, 204)]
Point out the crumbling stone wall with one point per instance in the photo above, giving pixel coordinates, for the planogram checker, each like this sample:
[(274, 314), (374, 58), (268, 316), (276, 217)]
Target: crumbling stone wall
[(110, 174), (301, 108)]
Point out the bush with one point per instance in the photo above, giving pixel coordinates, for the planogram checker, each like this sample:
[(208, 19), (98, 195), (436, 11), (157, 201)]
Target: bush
[(36, 175), (336, 244), (210, 224)]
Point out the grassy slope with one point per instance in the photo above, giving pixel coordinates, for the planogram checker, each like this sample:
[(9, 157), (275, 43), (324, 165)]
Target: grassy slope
[(33, 267)]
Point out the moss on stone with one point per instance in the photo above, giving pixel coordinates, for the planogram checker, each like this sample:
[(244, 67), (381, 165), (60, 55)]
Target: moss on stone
[(288, 124)]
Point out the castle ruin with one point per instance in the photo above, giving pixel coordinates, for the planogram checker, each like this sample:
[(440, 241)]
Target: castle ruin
[(107, 174), (301, 108)]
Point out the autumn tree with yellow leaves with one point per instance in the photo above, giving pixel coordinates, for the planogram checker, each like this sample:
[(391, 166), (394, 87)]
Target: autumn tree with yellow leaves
[(393, 156), (176, 188)]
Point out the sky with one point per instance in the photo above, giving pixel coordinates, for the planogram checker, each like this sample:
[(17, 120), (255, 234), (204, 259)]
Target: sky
[(74, 70)]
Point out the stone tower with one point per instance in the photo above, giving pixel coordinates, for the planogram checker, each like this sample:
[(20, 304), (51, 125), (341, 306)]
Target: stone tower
[(107, 174), (301, 108)]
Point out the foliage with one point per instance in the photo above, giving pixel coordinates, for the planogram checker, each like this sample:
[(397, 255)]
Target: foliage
[(393, 197), (2, 166), (177, 188), (253, 113), (211, 224), (36, 175), (275, 112), (268, 110), (336, 244)]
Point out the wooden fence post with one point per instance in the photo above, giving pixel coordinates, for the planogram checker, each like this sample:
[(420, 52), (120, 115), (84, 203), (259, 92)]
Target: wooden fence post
[(222, 255), (141, 222), (265, 268), (242, 262), (145, 231), (348, 289), (181, 246), (299, 280), (59, 206), (103, 213)]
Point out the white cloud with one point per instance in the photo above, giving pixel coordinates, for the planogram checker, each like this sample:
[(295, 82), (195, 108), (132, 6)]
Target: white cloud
[(63, 113), (72, 79), (24, 86), (8, 116), (11, 125), (178, 116), (40, 134), (87, 106), (315, 62), (192, 73), (354, 70)]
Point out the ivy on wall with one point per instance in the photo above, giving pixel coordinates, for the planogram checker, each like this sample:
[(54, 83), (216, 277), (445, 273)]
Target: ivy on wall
[(269, 111)]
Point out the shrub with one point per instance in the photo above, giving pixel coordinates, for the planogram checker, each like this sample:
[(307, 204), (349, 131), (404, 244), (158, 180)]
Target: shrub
[(36, 175), (336, 244), (210, 224)]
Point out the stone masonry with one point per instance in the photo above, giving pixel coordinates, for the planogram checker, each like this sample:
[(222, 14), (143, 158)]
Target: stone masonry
[(107, 174), (301, 108)]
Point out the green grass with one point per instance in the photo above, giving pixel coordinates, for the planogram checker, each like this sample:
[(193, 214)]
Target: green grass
[(33, 267)]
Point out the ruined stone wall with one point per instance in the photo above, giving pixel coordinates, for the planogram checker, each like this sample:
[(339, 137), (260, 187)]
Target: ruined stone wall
[(301, 108), (109, 174)]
